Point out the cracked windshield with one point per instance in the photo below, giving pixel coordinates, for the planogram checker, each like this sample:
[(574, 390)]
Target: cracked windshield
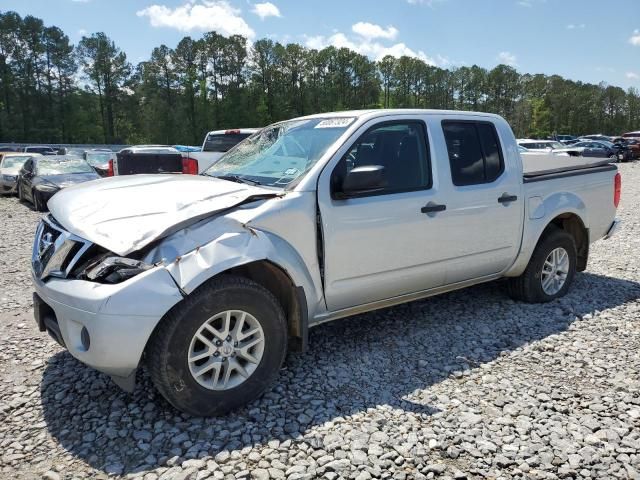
[(278, 155)]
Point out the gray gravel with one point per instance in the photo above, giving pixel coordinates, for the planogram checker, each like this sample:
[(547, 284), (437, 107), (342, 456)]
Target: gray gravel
[(466, 385)]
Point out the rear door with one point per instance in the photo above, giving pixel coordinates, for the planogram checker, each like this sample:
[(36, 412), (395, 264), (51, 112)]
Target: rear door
[(481, 229), (382, 244)]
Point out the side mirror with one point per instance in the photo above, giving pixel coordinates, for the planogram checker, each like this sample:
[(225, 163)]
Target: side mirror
[(365, 179)]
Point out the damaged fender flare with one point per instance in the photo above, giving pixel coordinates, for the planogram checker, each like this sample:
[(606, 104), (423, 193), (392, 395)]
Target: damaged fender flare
[(299, 341)]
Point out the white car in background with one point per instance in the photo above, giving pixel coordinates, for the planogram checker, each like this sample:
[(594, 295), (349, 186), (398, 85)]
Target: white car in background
[(10, 165), (543, 146)]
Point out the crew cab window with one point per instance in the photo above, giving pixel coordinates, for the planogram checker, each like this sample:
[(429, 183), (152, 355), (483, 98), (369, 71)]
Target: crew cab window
[(474, 151), (400, 147)]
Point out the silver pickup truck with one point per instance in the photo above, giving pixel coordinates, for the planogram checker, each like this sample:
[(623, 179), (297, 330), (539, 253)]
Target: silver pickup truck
[(208, 280)]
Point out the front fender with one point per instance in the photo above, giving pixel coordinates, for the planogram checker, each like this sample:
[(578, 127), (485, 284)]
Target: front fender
[(540, 213), (234, 245)]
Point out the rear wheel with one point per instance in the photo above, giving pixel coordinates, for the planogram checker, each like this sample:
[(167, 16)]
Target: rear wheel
[(220, 348), (550, 271)]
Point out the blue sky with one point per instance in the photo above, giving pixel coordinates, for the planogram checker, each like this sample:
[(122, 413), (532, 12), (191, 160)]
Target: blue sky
[(587, 40)]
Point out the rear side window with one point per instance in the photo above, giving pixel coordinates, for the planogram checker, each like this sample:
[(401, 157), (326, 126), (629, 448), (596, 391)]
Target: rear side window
[(223, 142), (474, 151)]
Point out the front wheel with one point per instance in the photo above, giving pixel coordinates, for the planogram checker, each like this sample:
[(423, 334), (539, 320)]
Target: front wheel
[(220, 348), (550, 272)]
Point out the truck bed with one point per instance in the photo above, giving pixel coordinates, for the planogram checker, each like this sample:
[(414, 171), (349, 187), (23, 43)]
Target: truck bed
[(538, 167)]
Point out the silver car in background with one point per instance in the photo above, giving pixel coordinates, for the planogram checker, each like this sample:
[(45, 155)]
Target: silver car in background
[(10, 165)]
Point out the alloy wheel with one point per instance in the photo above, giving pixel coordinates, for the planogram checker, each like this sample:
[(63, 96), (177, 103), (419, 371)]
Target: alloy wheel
[(226, 350), (555, 271)]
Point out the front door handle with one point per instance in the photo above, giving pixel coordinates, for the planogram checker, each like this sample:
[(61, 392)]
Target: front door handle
[(506, 198), (433, 207)]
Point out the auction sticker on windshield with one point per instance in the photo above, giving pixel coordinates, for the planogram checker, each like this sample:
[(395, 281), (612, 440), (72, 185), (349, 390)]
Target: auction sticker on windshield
[(335, 122)]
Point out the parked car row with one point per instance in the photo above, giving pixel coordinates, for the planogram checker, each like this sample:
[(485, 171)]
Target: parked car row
[(35, 177), (178, 158), (621, 149), (36, 173)]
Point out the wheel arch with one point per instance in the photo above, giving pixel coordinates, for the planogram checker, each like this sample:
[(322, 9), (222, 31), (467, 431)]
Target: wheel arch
[(291, 297), (573, 224), (278, 282), (570, 220), (260, 256)]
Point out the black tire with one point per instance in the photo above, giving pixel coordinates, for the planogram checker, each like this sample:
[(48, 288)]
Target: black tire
[(168, 347), (528, 286)]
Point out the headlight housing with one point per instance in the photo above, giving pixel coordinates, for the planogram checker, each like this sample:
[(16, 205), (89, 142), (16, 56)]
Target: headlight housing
[(112, 269), (9, 178)]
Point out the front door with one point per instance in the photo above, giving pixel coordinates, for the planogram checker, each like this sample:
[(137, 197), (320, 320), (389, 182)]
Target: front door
[(382, 244)]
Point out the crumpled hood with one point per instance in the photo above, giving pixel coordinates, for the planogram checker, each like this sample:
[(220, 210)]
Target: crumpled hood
[(124, 214)]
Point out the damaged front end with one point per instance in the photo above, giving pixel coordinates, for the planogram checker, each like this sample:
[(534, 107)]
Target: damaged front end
[(108, 280), (110, 269), (103, 307)]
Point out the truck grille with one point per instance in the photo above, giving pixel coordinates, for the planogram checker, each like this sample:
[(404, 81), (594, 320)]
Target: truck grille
[(55, 251)]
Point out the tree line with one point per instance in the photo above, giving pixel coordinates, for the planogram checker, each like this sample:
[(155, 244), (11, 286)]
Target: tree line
[(52, 91)]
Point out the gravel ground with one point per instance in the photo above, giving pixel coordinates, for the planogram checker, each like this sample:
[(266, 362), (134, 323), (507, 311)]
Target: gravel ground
[(465, 385)]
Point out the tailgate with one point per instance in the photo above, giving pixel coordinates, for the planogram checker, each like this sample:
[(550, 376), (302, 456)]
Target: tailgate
[(134, 163)]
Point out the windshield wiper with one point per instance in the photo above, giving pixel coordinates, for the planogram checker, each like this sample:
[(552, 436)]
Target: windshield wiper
[(237, 179)]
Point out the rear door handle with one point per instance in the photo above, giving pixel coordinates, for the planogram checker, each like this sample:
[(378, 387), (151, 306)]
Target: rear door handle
[(506, 198), (433, 207)]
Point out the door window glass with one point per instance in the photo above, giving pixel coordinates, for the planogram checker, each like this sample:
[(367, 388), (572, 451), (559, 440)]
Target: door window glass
[(474, 152), (400, 147)]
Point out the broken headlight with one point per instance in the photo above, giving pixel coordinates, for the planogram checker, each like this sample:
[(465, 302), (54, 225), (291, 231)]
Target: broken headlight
[(114, 269)]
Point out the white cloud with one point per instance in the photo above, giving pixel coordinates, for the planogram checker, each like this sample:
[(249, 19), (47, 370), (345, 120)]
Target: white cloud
[(366, 46), (635, 38), (429, 3), (633, 76), (204, 15), (529, 3), (266, 9), (82, 32), (371, 30), (508, 58), (573, 26)]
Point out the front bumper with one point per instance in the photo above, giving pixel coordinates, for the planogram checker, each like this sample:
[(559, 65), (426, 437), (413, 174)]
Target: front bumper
[(118, 319), (612, 229), (7, 186)]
